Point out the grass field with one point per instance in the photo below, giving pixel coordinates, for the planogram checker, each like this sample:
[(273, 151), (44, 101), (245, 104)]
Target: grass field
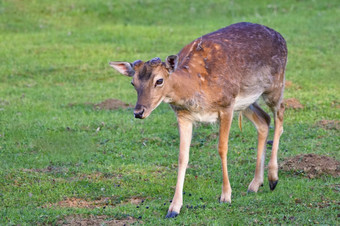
[(61, 159)]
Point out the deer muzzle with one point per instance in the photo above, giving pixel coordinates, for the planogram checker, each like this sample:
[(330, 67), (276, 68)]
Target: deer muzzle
[(139, 112)]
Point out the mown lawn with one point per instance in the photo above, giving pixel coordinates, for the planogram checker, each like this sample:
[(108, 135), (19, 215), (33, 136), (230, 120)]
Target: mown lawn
[(55, 147)]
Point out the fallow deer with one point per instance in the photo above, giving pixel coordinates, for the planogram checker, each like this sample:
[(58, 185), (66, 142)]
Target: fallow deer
[(221, 72)]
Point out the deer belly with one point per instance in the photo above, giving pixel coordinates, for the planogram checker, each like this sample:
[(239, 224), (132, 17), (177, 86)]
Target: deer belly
[(243, 101), (204, 116)]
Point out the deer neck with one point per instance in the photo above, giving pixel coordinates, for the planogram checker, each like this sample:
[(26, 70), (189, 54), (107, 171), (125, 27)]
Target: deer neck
[(182, 88)]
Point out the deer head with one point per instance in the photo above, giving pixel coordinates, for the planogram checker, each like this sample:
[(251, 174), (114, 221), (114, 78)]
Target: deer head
[(150, 79)]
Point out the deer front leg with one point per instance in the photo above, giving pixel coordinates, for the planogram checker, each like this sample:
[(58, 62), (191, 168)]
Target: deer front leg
[(185, 132), (225, 123)]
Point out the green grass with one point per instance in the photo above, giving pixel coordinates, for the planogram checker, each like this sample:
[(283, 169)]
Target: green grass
[(54, 53)]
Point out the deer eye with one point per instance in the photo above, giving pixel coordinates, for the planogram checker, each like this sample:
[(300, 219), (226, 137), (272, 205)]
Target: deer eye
[(159, 82)]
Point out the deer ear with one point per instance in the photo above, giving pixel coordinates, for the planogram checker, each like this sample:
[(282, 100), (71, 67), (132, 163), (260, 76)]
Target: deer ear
[(171, 63), (124, 68)]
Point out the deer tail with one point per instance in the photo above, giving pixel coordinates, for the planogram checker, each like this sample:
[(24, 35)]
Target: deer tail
[(240, 116)]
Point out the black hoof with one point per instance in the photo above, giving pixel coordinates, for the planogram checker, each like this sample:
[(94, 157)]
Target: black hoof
[(272, 184), (250, 191), (171, 214)]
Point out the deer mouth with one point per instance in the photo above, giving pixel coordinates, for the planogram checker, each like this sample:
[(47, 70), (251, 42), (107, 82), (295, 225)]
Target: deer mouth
[(139, 114), (142, 112)]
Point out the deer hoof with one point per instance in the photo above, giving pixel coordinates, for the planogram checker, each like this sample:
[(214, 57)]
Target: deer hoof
[(250, 191), (272, 184), (254, 186), (171, 214), (224, 201)]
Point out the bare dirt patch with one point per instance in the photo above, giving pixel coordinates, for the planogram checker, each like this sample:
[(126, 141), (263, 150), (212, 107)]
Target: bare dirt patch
[(329, 124), (292, 103), (312, 165), (74, 202), (135, 200), (80, 220), (111, 104), (81, 203)]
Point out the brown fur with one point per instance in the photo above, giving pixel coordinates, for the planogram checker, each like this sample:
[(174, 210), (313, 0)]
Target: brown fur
[(210, 78)]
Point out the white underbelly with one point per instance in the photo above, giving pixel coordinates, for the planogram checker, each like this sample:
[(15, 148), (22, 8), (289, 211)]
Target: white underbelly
[(204, 116), (243, 101)]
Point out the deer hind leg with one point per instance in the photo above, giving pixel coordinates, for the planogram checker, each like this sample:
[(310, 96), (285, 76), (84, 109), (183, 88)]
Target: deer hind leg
[(274, 101), (225, 124), (261, 121), (272, 165)]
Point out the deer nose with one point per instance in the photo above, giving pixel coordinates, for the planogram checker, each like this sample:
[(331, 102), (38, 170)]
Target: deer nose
[(139, 114)]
